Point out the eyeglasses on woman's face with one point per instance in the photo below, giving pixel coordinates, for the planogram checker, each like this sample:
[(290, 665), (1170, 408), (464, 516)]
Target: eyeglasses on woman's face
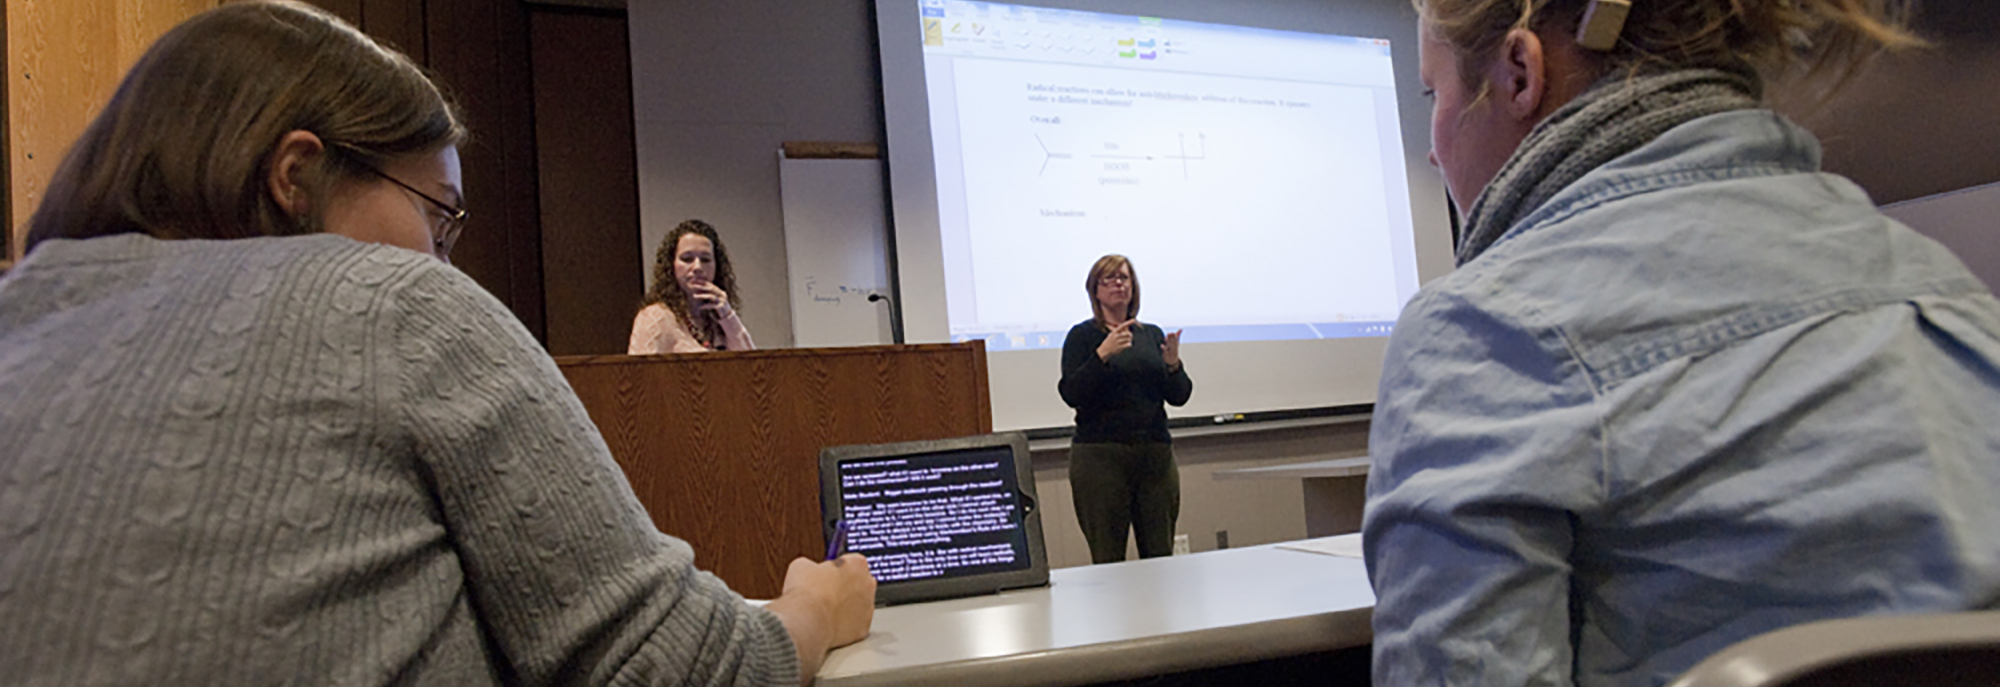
[(449, 222), (1114, 279)]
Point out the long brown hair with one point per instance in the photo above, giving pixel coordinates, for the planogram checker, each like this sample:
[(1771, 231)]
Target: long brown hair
[(1105, 266), (181, 151), (1816, 39), (667, 290)]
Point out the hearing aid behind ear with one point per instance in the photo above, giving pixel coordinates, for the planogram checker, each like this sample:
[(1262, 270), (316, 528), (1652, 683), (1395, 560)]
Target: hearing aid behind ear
[(1603, 20)]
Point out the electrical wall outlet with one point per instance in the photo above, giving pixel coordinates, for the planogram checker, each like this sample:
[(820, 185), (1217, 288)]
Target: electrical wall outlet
[(1221, 539), (1180, 545)]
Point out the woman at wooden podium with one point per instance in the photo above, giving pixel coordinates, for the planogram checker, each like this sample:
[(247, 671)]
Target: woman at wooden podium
[(259, 432), (1117, 372), (692, 305)]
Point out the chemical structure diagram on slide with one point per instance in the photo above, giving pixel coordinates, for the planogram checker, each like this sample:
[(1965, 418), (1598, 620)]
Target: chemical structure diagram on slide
[(1120, 158), (1061, 164)]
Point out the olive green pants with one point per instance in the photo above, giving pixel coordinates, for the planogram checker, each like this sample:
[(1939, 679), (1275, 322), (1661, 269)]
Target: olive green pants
[(1121, 486)]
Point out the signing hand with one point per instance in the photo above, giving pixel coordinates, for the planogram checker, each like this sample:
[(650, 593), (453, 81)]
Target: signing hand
[(709, 297), (1118, 340), (1171, 351)]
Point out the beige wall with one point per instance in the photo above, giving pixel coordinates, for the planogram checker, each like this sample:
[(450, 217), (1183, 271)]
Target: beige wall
[(717, 86), (64, 59)]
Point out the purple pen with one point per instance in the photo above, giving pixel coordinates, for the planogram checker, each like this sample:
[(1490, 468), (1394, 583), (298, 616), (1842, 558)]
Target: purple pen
[(837, 545)]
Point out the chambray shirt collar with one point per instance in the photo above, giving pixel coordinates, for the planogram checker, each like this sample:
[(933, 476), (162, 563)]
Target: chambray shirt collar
[(1731, 145)]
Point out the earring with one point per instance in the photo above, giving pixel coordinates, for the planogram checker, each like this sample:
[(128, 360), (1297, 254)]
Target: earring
[(1603, 20)]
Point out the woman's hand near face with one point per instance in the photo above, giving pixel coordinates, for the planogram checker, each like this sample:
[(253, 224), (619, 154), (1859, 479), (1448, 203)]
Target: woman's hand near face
[(707, 296), (1117, 341), (1170, 350)]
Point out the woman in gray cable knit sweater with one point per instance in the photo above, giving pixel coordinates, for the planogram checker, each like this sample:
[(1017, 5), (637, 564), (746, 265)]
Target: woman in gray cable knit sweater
[(314, 452)]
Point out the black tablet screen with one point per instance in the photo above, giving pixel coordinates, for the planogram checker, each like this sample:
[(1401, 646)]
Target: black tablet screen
[(931, 516)]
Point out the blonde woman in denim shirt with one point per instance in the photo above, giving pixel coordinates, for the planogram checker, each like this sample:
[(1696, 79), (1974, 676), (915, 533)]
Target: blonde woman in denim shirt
[(1683, 388)]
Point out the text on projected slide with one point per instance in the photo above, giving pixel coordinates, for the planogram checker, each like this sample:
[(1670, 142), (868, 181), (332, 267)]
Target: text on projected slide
[(1215, 156)]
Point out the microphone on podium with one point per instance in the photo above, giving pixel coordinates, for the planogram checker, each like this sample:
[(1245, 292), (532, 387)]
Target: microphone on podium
[(895, 318)]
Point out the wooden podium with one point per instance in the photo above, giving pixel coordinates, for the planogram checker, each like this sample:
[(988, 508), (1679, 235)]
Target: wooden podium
[(723, 448)]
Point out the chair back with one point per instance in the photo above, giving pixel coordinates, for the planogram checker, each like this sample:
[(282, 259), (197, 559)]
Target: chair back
[(1944, 650)]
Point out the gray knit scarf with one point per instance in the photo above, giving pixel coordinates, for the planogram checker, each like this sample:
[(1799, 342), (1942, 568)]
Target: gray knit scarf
[(1615, 116)]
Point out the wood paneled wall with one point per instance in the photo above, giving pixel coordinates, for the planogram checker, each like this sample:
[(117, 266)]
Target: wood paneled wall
[(478, 51), (549, 177), (589, 179), (723, 448), (64, 59)]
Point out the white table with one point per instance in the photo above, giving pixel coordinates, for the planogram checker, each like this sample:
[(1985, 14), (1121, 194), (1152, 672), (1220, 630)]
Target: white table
[(1120, 621), (1334, 491)]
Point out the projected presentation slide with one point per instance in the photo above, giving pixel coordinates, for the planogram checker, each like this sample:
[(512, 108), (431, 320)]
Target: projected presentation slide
[(1255, 177)]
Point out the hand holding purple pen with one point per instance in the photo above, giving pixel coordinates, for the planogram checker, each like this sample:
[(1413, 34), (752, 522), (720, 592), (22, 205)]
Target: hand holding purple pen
[(837, 544), (826, 604)]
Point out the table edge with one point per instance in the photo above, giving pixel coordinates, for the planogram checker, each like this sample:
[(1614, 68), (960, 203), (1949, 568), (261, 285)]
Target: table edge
[(1136, 658), (1338, 467)]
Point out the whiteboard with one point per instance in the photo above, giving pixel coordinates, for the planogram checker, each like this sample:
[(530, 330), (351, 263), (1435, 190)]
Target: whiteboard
[(836, 251)]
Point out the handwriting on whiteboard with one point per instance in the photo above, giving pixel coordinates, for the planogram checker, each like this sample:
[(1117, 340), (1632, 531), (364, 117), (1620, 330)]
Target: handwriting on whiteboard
[(832, 294)]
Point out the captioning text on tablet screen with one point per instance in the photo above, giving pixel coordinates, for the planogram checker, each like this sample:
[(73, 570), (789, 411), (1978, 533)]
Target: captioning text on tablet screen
[(944, 515)]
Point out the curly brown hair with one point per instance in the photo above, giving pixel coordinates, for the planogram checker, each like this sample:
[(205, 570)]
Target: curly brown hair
[(667, 291)]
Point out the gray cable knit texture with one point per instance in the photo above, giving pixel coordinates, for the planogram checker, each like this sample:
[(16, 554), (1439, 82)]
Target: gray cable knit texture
[(314, 461)]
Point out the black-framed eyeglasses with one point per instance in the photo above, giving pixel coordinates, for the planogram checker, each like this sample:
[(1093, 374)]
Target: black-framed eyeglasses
[(1111, 279), (444, 235)]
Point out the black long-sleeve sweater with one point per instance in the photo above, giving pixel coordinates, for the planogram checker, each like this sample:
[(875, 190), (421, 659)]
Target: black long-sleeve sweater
[(1119, 400)]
